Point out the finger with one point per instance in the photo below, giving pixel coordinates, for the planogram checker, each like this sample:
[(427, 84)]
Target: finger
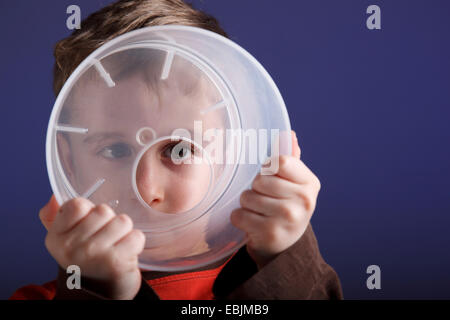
[(97, 218), (295, 170), (296, 152), (274, 186), (132, 244), (113, 231), (280, 190), (260, 203), (308, 195), (70, 214), (48, 213), (247, 220), (304, 199)]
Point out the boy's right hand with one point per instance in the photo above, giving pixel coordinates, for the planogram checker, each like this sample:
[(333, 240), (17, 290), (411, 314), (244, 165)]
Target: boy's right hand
[(104, 245)]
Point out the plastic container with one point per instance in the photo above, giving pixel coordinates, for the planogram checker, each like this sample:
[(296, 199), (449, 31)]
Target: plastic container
[(168, 124)]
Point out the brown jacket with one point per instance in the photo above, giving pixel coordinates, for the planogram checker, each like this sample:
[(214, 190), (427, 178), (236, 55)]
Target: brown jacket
[(297, 273)]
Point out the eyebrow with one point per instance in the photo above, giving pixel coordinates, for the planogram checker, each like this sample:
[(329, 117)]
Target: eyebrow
[(102, 136), (115, 135)]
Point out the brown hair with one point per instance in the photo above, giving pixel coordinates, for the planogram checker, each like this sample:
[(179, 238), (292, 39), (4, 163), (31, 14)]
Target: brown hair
[(118, 18)]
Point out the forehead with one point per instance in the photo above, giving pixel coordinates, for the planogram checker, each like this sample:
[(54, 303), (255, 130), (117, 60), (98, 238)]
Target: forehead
[(142, 99)]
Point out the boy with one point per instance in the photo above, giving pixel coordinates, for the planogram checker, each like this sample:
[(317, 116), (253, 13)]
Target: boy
[(281, 259)]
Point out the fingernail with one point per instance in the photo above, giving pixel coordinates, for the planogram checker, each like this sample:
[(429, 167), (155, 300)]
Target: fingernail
[(266, 163)]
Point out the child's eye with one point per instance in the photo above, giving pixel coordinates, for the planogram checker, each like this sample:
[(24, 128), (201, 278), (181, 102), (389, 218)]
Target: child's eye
[(179, 151), (116, 151)]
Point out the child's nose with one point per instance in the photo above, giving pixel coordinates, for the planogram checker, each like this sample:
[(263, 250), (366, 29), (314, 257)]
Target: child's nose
[(148, 182)]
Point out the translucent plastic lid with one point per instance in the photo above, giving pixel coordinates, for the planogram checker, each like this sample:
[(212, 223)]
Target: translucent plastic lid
[(169, 125)]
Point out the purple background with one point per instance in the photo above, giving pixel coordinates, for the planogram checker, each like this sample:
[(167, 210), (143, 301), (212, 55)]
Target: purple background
[(371, 109)]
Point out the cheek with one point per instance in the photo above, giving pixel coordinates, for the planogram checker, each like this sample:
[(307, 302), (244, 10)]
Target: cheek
[(187, 192), (88, 169), (200, 184), (82, 170)]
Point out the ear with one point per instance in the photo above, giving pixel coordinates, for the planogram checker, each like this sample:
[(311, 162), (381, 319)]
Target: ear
[(65, 156)]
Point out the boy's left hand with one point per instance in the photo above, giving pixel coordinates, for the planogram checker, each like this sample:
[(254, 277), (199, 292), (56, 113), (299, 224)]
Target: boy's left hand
[(276, 211)]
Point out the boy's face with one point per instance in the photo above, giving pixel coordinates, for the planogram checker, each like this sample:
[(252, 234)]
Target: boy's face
[(114, 117)]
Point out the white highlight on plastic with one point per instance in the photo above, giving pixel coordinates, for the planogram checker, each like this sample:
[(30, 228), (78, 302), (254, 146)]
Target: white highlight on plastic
[(113, 204), (140, 135), (72, 129), (167, 65), (218, 105), (104, 74), (94, 188)]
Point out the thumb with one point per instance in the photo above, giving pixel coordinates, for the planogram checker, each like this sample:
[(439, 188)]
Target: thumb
[(48, 213), (296, 152)]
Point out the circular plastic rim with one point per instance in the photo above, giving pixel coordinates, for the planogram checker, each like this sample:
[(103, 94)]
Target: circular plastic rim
[(113, 42)]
